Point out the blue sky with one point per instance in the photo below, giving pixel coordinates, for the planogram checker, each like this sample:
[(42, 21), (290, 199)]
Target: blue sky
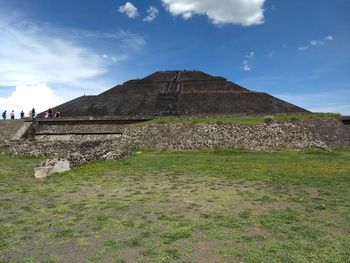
[(53, 51)]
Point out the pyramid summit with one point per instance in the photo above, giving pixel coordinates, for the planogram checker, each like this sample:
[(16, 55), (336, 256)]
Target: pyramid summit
[(175, 93)]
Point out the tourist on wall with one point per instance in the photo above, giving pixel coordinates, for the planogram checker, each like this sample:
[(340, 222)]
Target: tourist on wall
[(57, 114), (33, 113), (4, 115), (12, 115), (50, 113), (22, 114)]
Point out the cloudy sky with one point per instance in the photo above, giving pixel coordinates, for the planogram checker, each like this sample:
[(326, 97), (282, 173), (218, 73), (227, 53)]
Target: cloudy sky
[(52, 51)]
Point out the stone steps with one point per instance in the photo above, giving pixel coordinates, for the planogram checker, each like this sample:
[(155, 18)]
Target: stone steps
[(167, 104)]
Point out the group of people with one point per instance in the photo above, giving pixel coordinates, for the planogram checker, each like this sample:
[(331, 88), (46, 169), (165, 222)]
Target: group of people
[(49, 114), (12, 114)]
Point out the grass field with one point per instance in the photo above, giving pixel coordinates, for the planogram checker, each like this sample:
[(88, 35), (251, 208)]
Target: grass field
[(220, 206)]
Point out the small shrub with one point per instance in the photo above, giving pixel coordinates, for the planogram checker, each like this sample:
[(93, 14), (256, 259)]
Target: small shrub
[(171, 253), (177, 234), (269, 119), (245, 213), (134, 242), (65, 233), (294, 118), (161, 122), (127, 223)]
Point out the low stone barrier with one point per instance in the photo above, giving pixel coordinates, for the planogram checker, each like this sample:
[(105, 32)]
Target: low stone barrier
[(225, 136), (80, 149), (8, 129)]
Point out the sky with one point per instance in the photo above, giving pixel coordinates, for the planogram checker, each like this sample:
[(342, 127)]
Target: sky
[(52, 51)]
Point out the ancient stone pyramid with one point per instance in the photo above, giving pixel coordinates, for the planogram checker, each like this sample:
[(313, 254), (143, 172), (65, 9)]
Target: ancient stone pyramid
[(176, 93)]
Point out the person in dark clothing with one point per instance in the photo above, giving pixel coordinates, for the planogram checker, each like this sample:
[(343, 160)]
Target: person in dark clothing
[(50, 113), (33, 113), (4, 115), (22, 114)]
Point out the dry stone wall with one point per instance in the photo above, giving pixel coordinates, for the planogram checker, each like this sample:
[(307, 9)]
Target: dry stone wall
[(194, 137), (298, 135), (62, 142), (77, 152), (332, 131), (86, 128)]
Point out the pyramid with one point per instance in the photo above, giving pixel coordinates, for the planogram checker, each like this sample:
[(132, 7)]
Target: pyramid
[(176, 93)]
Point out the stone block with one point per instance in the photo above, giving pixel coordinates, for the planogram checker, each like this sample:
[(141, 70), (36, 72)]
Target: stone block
[(42, 172), (52, 166)]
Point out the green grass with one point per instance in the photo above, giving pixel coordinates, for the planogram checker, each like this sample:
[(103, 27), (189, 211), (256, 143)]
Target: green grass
[(212, 206), (239, 119)]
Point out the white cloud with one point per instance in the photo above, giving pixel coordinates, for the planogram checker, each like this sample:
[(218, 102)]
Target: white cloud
[(32, 54), (303, 48), (125, 40), (243, 12), (152, 12), (129, 9), (115, 59), (246, 66), (250, 55), (25, 97), (316, 42), (130, 41), (270, 54), (119, 58)]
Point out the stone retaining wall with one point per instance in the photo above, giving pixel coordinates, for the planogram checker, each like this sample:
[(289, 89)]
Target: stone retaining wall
[(8, 129), (79, 128), (333, 132), (212, 136), (330, 133), (60, 141)]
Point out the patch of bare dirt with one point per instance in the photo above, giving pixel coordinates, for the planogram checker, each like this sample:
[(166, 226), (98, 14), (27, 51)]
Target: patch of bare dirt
[(204, 252), (131, 255), (263, 208), (312, 191)]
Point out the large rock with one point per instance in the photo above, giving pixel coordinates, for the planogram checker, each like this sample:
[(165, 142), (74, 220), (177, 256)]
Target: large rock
[(51, 166), (115, 155), (42, 172)]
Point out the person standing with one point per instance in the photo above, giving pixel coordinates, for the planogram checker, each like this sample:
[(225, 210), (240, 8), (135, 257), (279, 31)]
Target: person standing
[(4, 115), (12, 115), (33, 113), (57, 114), (22, 114), (50, 113)]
